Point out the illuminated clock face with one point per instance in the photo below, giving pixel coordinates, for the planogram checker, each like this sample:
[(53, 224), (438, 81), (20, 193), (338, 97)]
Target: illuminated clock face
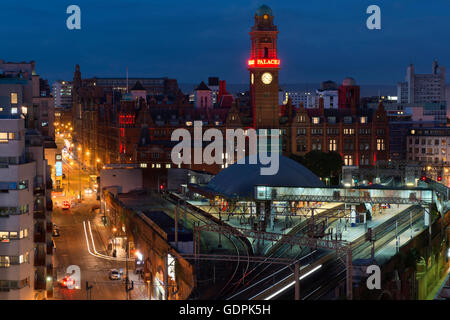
[(266, 78), (253, 78)]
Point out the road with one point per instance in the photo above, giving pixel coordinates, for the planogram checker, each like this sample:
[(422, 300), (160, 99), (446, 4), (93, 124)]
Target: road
[(72, 249), (72, 245)]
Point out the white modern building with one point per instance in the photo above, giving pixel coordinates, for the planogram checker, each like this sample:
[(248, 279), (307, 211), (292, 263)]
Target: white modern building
[(423, 88), (307, 98), (328, 92), (62, 93), (26, 271)]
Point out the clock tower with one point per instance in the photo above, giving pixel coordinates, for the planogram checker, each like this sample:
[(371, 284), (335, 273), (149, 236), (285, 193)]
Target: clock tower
[(263, 66)]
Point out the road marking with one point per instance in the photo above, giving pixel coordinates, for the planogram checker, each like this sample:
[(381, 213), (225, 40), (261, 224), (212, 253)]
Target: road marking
[(95, 253)]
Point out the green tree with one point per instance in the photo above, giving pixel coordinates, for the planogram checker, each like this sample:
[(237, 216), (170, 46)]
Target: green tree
[(322, 164)]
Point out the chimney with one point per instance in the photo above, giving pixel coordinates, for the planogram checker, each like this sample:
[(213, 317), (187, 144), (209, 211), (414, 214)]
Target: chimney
[(321, 108), (222, 89), (353, 106), (289, 111)]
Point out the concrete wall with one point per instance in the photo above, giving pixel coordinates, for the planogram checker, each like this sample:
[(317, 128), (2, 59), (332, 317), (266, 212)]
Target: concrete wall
[(126, 179)]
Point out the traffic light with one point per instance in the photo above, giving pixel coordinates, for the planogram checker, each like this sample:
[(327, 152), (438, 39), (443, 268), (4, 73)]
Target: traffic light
[(424, 178), (161, 187), (439, 178)]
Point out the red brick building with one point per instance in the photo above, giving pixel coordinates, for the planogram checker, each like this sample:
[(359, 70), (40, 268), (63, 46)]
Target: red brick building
[(117, 124)]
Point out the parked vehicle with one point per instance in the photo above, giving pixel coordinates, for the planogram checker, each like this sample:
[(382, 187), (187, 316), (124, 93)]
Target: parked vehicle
[(114, 274)]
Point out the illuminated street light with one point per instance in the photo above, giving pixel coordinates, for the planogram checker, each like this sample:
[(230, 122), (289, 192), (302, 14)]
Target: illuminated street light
[(139, 255), (98, 160), (87, 153)]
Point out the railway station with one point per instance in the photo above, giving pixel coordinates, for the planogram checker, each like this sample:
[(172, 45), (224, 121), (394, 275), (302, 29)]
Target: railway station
[(294, 207), (244, 199)]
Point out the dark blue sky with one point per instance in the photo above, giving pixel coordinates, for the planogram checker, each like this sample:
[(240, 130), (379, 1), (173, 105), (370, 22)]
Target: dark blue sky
[(191, 40)]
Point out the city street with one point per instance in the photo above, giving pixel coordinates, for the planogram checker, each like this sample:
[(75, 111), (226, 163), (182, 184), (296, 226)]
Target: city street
[(72, 249), (75, 244)]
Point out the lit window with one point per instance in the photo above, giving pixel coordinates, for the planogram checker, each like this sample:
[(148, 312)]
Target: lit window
[(168, 166), (363, 120), (333, 145), (380, 144), (316, 120), (13, 97), (348, 160), (4, 236), (143, 165), (13, 110)]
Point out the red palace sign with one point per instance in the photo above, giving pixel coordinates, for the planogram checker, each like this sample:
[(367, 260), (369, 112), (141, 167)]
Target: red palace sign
[(263, 63)]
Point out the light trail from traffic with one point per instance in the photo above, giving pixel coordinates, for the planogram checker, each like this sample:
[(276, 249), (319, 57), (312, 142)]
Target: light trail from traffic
[(96, 253)]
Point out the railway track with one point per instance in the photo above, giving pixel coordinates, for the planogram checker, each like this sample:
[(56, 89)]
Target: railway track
[(384, 233), (241, 244)]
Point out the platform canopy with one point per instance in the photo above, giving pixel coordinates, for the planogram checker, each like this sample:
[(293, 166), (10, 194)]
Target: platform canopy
[(238, 180)]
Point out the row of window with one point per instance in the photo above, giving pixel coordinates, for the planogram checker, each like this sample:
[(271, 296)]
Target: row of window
[(335, 131), (6, 211), (5, 137), (428, 142), (155, 165), (6, 236), (428, 151), (7, 261), (21, 185), (427, 159), (14, 284), (316, 120), (332, 145)]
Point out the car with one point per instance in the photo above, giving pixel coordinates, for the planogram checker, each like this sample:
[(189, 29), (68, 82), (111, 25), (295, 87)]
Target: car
[(66, 205), (88, 191), (67, 282), (114, 274)]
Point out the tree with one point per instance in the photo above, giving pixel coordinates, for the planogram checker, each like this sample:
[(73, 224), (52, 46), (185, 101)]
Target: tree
[(322, 164)]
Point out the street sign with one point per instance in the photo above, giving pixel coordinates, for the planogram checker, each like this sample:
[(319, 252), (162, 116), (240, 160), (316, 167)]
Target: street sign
[(58, 168)]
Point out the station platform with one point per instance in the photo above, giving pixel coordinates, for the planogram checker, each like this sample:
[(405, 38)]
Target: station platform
[(281, 224), (390, 249), (350, 233)]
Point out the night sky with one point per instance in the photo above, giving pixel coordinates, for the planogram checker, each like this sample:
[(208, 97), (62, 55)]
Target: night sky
[(191, 40)]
